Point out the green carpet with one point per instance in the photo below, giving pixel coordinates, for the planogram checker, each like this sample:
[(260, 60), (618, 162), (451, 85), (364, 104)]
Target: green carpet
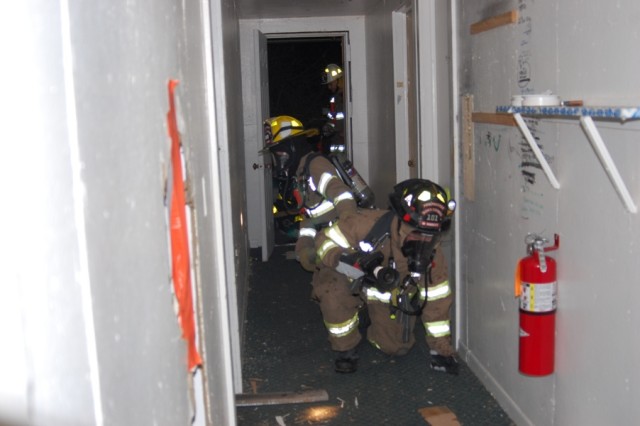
[(285, 349)]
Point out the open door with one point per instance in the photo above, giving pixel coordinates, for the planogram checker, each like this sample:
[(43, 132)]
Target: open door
[(406, 107), (296, 65), (264, 165)]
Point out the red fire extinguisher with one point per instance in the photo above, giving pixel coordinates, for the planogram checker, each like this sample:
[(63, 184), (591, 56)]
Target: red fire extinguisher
[(536, 286)]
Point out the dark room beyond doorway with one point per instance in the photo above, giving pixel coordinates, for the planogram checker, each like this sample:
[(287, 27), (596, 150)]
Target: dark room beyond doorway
[(295, 71)]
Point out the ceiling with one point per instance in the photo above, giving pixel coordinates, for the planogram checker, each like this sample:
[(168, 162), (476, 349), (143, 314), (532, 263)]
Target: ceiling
[(269, 9)]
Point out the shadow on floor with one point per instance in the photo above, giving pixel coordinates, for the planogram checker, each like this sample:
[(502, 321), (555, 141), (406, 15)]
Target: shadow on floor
[(286, 350)]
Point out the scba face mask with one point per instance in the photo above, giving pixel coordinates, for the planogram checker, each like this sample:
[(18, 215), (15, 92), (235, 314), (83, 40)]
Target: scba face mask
[(281, 162), (418, 247)]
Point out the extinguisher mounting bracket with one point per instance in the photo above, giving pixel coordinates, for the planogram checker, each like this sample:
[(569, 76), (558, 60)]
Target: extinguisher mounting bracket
[(536, 244)]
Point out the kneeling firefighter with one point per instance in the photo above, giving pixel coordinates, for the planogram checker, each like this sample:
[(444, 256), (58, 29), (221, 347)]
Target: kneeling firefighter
[(390, 261), (322, 187)]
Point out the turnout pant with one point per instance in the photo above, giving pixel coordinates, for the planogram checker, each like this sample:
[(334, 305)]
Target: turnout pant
[(339, 308)]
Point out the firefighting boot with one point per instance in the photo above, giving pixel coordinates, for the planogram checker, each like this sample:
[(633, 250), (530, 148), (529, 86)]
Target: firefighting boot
[(347, 361), (444, 364)]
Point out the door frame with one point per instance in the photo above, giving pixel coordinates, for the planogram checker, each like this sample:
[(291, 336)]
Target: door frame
[(261, 58), (425, 15), (268, 239)]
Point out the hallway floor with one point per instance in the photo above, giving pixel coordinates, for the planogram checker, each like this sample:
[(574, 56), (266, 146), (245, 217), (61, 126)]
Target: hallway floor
[(286, 350)]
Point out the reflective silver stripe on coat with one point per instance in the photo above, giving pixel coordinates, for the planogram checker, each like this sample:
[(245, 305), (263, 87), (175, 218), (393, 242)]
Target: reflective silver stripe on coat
[(311, 184), (365, 246), (437, 328), (325, 247), (375, 294), (344, 328), (436, 292), (344, 196), (337, 236), (324, 207), (325, 178), (308, 232)]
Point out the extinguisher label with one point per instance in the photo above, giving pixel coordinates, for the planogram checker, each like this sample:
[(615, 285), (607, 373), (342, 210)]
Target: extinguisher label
[(539, 297)]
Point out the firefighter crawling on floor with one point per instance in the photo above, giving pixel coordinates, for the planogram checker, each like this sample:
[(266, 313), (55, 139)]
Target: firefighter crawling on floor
[(390, 262)]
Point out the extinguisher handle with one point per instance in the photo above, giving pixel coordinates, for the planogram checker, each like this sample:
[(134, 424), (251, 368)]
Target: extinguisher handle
[(517, 282), (556, 243)]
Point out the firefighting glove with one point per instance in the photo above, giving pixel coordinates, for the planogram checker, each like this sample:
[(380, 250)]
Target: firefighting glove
[(307, 258), (358, 264)]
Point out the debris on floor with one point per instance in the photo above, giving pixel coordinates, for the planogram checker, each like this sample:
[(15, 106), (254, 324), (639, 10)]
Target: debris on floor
[(439, 416), (274, 398), (285, 348), (254, 384)]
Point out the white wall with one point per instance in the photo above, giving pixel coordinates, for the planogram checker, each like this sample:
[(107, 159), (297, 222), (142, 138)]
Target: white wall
[(381, 104), (90, 318), (579, 50), (228, 168), (434, 73), (48, 366)]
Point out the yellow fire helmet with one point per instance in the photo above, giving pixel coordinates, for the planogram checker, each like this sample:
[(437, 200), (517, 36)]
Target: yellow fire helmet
[(278, 128)]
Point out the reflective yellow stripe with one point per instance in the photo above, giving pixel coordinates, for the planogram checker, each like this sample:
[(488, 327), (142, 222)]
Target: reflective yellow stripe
[(337, 236), (324, 207), (437, 328), (374, 294), (439, 291), (325, 247), (325, 178), (344, 196), (343, 328), (308, 232)]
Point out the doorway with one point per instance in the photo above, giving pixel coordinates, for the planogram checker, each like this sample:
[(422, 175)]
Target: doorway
[(295, 67)]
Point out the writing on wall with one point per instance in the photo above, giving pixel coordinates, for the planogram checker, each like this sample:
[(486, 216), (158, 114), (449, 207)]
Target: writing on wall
[(528, 165), (525, 30), (492, 140)]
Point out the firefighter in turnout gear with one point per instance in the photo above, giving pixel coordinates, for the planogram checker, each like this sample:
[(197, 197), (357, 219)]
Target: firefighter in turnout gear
[(390, 261), (333, 130), (312, 183)]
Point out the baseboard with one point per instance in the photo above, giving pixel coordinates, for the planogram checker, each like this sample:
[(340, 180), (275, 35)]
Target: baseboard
[(508, 405)]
